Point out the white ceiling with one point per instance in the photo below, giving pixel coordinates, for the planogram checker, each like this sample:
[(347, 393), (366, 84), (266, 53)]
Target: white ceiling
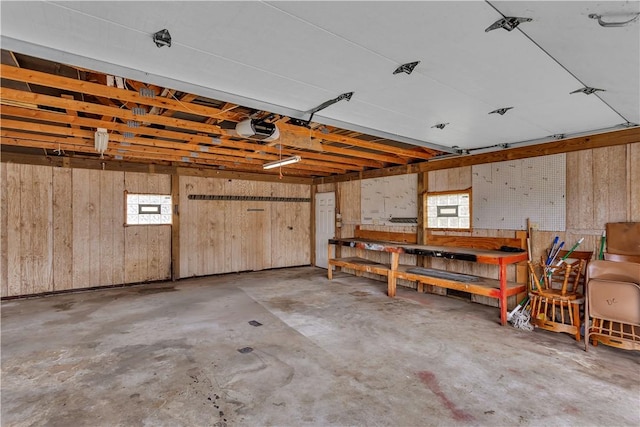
[(288, 57)]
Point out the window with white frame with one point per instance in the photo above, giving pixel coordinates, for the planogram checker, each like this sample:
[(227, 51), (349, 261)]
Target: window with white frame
[(449, 210), (148, 209)]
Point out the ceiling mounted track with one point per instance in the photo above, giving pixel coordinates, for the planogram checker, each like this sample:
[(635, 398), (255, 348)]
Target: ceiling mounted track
[(305, 123)]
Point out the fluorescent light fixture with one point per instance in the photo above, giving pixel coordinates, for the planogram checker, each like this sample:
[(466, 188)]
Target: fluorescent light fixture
[(101, 141), (283, 162)]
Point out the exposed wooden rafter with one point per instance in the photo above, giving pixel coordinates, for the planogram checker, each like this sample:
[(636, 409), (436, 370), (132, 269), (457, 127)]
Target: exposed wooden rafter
[(200, 131)]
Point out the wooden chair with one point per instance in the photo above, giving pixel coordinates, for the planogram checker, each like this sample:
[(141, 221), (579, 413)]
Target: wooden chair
[(555, 302), (576, 255)]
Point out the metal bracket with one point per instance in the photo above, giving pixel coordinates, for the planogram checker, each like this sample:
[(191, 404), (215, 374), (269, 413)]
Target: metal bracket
[(587, 90), (406, 68), (501, 111), (306, 123), (508, 23), (162, 38), (612, 24)]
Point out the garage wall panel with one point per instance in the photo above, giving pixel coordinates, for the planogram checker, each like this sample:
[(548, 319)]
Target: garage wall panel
[(62, 229), (223, 236), (633, 182), (4, 272), (86, 228), (147, 248)]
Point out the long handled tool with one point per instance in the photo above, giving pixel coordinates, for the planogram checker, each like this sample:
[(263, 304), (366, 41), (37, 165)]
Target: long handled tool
[(573, 248), (603, 240)]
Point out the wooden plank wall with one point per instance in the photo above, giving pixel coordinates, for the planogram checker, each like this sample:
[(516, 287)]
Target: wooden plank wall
[(603, 185), (64, 229), (147, 248), (219, 236), (349, 196)]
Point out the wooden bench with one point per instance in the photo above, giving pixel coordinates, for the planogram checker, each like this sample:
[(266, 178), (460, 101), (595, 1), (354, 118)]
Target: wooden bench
[(470, 248)]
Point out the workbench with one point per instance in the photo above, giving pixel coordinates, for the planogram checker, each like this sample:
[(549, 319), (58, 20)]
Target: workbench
[(500, 288)]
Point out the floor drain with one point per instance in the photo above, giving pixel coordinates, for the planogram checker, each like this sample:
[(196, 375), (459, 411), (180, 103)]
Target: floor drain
[(245, 350), (255, 323)]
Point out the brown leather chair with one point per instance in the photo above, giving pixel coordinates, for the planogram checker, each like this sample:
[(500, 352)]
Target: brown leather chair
[(613, 304), (619, 257)]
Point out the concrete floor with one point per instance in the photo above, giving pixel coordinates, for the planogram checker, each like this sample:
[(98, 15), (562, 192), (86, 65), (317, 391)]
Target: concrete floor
[(327, 353)]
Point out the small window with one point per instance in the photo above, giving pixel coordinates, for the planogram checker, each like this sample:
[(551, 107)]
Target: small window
[(148, 209), (449, 210)]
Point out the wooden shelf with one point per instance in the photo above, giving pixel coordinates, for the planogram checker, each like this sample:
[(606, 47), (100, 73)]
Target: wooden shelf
[(361, 265), (500, 288), (482, 286)]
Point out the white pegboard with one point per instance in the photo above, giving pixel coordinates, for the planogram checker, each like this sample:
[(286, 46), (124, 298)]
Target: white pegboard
[(388, 197), (505, 194)]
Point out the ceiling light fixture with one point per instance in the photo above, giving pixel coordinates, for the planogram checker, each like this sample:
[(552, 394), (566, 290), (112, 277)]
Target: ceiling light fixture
[(613, 24), (501, 111), (508, 23), (101, 141), (162, 38), (439, 126), (282, 162), (587, 90), (406, 68)]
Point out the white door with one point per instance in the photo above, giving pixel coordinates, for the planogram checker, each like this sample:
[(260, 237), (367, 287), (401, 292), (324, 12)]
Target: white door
[(325, 225)]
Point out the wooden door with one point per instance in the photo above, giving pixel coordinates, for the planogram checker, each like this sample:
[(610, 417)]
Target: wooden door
[(325, 225)]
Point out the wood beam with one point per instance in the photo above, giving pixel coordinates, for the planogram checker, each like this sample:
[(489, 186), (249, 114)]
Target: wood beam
[(200, 139), (402, 152), (144, 165), (175, 226), (84, 143), (45, 79), (606, 139), (118, 154)]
